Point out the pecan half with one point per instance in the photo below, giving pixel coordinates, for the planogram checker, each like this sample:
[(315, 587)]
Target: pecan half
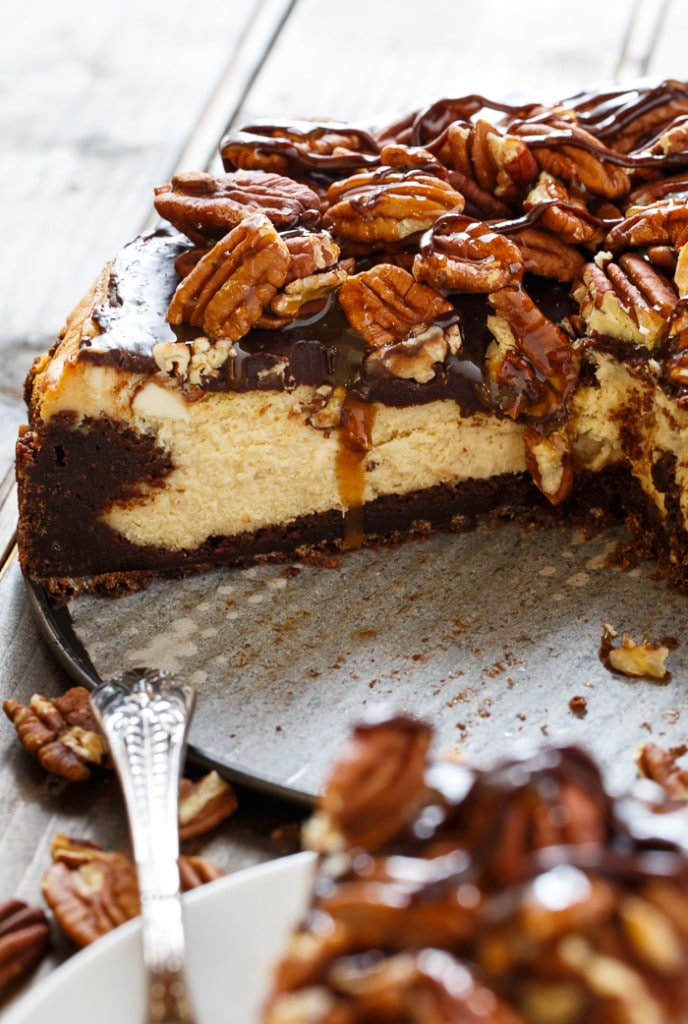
[(376, 785), (500, 164), (387, 205), (203, 804), (546, 255), (91, 891), (459, 254), (206, 206), (564, 214), (386, 303), (655, 763), (627, 299), (24, 939), (300, 147), (61, 732), (530, 367), (229, 287), (573, 154), (661, 222)]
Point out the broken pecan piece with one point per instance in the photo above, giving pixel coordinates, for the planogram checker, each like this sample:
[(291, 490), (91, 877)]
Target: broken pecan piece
[(91, 891), (386, 205), (61, 732), (549, 459), (658, 764), (24, 939), (460, 254), (530, 367), (386, 303), (203, 804), (206, 206), (309, 251), (229, 287)]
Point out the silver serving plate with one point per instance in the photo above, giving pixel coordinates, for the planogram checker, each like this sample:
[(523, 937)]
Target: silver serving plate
[(488, 635)]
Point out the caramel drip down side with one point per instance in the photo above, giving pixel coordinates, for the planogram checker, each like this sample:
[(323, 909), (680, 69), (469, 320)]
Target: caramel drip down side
[(355, 438)]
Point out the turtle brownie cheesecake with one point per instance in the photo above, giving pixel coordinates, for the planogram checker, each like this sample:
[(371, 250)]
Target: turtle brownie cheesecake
[(348, 336), (517, 894)]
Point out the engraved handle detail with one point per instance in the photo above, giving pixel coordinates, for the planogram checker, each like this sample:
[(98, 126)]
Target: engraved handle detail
[(145, 716)]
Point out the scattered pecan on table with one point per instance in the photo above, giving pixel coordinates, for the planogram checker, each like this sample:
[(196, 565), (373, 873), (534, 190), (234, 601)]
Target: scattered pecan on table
[(24, 940), (61, 732), (64, 735), (91, 891)]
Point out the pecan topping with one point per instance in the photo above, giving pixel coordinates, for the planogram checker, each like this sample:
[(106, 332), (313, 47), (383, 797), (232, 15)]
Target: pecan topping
[(203, 804), (299, 147), (661, 222), (501, 165), (24, 940), (564, 214), (297, 297), (627, 299), (376, 785), (530, 367), (386, 205), (385, 304), (660, 765), (309, 251), (206, 206), (229, 287), (571, 153), (61, 732), (546, 255), (91, 891), (459, 254), (550, 463)]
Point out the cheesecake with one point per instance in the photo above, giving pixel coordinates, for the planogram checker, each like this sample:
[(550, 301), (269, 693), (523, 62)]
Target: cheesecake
[(521, 892), (351, 336)]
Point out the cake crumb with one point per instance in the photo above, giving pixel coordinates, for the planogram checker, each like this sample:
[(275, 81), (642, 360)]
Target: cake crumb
[(579, 705)]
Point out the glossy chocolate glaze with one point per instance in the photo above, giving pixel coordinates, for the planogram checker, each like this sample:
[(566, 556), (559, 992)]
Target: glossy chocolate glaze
[(322, 349)]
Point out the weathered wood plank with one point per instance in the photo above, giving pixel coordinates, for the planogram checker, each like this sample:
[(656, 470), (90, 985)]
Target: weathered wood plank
[(360, 58)]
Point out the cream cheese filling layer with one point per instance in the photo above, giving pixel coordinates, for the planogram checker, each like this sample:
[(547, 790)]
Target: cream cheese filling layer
[(249, 460), (629, 419)]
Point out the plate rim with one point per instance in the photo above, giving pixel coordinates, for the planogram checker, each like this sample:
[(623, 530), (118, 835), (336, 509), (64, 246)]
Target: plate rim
[(55, 626), (295, 868)]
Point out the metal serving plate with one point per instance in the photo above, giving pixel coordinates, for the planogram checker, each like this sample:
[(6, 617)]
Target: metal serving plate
[(487, 635)]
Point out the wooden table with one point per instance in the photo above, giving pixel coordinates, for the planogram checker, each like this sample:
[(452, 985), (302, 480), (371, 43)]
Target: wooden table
[(100, 103)]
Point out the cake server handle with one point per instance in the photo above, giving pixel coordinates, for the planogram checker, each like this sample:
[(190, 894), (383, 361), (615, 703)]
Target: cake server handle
[(145, 716)]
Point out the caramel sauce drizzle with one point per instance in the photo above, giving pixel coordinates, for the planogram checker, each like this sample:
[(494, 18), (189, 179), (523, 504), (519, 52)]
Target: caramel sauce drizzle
[(355, 439)]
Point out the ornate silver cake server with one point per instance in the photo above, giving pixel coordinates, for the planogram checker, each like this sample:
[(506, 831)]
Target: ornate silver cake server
[(145, 716)]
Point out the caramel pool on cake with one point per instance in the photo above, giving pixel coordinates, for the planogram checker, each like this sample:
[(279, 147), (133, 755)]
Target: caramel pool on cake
[(351, 336)]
